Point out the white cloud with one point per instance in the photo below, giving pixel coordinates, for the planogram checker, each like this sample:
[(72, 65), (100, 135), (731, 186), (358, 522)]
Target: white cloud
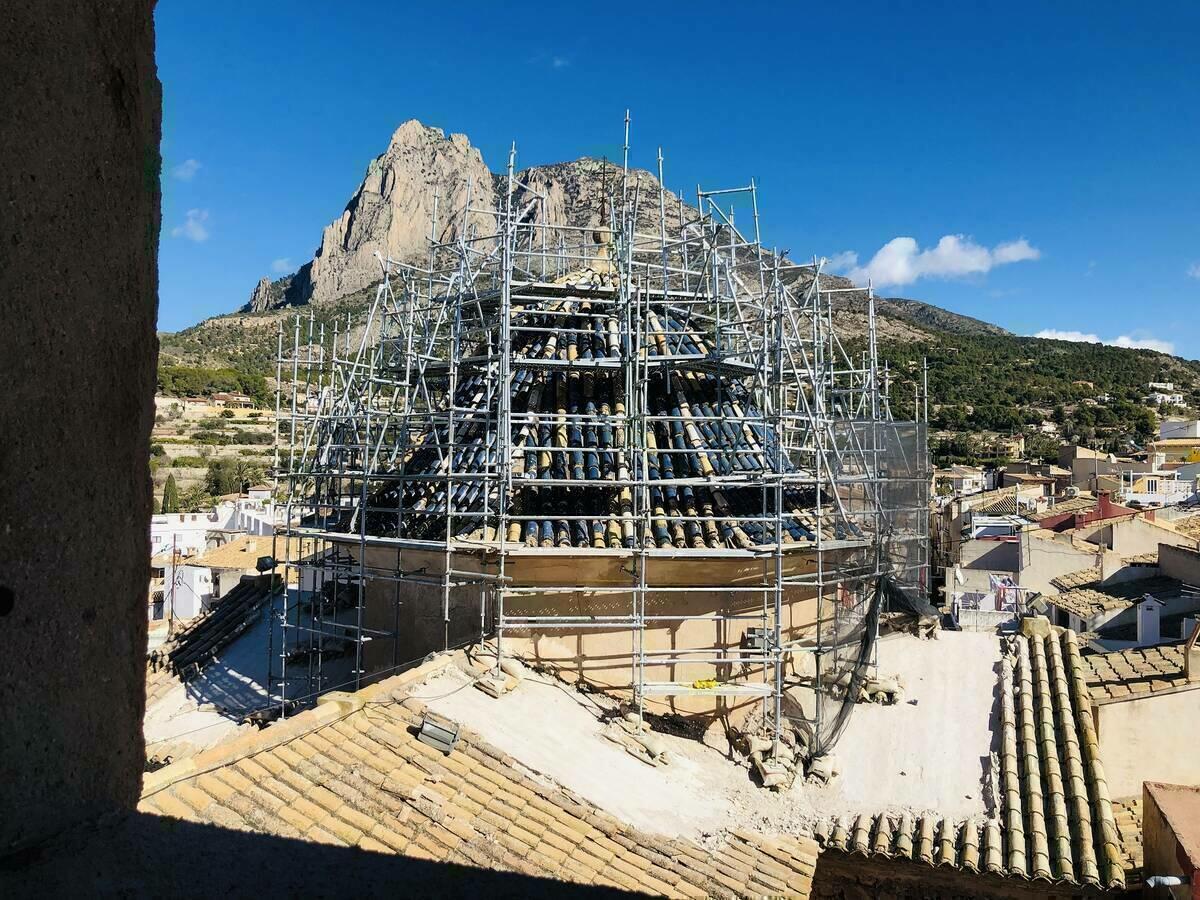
[(560, 62), (282, 265), (1194, 270), (193, 227), (1143, 343), (1014, 251), (186, 170), (902, 261), (1124, 340), (842, 262)]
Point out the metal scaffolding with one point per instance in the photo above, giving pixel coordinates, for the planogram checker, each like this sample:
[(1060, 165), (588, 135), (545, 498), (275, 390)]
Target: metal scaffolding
[(654, 385)]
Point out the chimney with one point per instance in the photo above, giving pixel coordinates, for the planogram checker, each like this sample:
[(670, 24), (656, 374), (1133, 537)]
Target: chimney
[(1147, 621), (1104, 505)]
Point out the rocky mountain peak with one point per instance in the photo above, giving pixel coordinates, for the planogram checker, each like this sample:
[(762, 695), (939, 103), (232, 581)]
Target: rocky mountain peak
[(261, 299), (391, 211)]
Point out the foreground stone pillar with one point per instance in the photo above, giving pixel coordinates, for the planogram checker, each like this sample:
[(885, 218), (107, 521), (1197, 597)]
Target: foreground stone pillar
[(80, 111)]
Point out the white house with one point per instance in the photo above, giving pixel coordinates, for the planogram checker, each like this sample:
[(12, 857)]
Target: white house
[(1160, 398), (964, 481), (185, 532)]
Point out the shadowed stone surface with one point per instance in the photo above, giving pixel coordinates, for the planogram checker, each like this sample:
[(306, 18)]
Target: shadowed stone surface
[(79, 172)]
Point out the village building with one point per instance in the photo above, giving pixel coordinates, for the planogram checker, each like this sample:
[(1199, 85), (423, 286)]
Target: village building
[(959, 481), (229, 400)]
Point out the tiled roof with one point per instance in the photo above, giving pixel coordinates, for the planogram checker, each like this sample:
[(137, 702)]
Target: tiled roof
[(1189, 526), (1128, 816), (243, 552), (1028, 477), (1086, 602), (158, 682), (1002, 502), (1134, 672), (1072, 505), (1141, 559), (351, 772), (1055, 820), (240, 553), (1074, 580)]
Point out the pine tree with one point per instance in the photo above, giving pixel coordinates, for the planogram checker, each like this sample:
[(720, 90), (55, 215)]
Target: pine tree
[(170, 498)]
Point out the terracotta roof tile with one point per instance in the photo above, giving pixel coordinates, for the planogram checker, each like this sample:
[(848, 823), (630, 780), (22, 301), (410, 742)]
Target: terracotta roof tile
[(1121, 673), (1074, 580), (999, 502), (1055, 821), (352, 772), (1089, 601), (1072, 505)]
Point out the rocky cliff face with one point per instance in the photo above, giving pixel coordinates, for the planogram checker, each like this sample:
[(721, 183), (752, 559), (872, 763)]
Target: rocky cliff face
[(261, 299), (391, 213), (392, 210)]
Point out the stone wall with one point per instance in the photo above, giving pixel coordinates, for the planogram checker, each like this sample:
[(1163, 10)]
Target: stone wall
[(79, 165)]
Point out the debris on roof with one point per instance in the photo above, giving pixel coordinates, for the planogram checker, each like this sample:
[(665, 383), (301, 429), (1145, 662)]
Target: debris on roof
[(1189, 527)]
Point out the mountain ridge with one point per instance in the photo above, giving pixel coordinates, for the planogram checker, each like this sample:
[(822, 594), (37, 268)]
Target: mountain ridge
[(392, 209)]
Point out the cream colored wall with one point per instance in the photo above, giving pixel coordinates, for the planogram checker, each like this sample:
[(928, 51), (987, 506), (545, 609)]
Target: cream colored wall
[(602, 657), (1175, 562), (1150, 739), (1132, 537), (1046, 558)]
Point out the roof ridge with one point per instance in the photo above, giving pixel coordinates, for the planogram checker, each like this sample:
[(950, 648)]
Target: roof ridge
[(329, 708)]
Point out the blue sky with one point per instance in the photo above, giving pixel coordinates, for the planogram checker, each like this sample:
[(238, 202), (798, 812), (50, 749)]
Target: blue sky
[(1037, 166)]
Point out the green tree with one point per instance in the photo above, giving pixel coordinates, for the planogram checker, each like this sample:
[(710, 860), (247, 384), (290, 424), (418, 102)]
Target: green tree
[(222, 477), (248, 474), (195, 499), (231, 475), (170, 497)]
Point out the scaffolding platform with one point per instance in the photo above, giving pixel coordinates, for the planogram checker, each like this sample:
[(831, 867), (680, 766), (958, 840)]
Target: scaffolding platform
[(545, 429)]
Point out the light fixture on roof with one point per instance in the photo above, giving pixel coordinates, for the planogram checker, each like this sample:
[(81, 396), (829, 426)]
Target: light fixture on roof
[(438, 733)]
